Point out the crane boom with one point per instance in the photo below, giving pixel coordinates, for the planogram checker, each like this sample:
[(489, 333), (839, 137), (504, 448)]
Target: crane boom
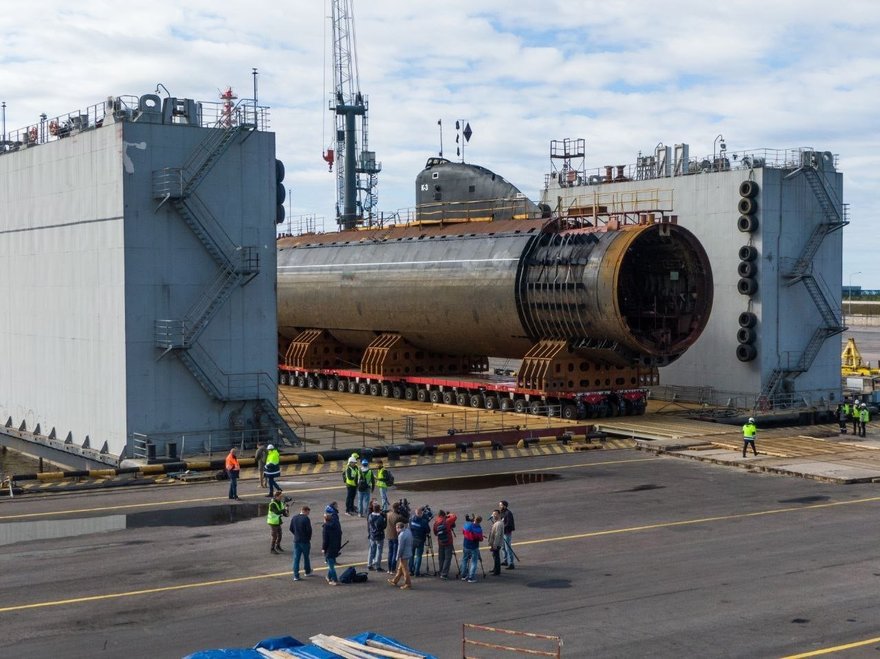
[(356, 167)]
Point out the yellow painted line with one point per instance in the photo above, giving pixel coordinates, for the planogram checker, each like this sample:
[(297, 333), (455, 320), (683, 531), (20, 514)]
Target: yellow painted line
[(132, 506), (327, 488), (578, 536), (836, 648)]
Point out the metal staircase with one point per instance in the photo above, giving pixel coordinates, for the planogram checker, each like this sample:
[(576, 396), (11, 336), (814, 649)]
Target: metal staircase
[(237, 265), (832, 219)]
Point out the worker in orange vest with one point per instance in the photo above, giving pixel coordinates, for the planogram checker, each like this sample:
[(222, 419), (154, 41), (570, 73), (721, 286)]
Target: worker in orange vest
[(232, 470)]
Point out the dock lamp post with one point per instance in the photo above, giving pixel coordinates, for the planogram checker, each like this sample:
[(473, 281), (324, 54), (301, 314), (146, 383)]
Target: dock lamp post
[(849, 297), (720, 137)]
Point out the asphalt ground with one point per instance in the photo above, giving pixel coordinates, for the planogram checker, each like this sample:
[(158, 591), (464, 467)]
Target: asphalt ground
[(625, 554)]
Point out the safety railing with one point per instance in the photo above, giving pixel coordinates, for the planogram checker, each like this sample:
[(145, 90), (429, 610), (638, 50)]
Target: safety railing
[(773, 158), (528, 643), (48, 129)]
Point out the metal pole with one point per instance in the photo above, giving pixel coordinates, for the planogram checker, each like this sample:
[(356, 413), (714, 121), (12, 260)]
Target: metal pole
[(4, 125), (255, 89)]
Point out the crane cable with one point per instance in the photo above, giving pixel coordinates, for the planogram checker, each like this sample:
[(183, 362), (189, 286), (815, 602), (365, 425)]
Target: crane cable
[(354, 49)]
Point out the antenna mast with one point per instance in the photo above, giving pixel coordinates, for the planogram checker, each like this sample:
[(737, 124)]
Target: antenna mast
[(356, 167)]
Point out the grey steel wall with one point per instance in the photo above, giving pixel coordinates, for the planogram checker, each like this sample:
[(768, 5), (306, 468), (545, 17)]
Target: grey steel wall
[(88, 265), (62, 241), (788, 211)]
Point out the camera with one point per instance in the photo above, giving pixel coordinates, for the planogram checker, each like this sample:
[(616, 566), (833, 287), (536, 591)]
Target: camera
[(427, 513), (287, 499), (469, 517)]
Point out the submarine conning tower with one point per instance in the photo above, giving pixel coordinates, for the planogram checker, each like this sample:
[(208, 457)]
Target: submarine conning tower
[(456, 190)]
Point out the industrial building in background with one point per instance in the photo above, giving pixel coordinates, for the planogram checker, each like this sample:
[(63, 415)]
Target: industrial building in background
[(770, 222), (357, 172), (138, 252)]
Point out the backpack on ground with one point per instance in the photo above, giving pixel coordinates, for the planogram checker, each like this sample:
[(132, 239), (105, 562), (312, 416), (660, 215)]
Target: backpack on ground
[(348, 575), (360, 577)]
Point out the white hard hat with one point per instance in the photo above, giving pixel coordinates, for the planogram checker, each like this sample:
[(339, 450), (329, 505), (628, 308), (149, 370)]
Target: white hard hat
[(751, 419), (863, 405), (270, 447)]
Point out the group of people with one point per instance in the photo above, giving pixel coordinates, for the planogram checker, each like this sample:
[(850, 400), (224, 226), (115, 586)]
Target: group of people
[(407, 537), (361, 482), (856, 412), (267, 460)]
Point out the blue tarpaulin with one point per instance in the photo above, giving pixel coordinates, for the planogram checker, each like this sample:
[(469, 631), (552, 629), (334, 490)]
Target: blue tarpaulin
[(298, 649)]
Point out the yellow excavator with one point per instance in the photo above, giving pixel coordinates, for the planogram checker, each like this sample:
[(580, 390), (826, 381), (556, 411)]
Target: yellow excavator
[(851, 362)]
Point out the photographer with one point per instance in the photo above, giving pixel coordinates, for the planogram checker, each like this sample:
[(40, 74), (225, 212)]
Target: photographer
[(444, 527), (278, 508), (470, 555)]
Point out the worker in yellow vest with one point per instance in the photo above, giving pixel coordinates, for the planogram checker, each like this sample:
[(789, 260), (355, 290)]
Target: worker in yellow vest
[(750, 431), (864, 417), (855, 416)]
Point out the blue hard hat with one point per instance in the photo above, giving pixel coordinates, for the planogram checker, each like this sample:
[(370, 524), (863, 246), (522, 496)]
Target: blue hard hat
[(365, 462)]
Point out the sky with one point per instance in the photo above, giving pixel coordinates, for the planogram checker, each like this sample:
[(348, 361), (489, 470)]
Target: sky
[(625, 76)]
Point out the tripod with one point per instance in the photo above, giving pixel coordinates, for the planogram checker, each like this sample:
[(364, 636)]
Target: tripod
[(430, 556)]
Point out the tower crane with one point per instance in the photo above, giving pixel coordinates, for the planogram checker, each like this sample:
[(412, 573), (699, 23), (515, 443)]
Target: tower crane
[(356, 167)]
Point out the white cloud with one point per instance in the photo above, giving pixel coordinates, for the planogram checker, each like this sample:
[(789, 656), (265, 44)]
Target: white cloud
[(624, 76)]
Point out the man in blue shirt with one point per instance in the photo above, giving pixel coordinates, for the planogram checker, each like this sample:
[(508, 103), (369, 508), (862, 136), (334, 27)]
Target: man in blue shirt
[(473, 535), (419, 526)]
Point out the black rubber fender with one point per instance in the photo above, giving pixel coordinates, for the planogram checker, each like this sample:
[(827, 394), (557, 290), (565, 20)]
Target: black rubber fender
[(747, 269), (747, 223), (748, 253), (746, 335), (748, 319), (747, 286), (746, 352), (748, 189), (747, 206)]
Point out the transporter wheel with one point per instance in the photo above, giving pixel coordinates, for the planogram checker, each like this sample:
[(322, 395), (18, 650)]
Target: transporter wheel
[(506, 404), (310, 382), (321, 382), (602, 410), (375, 389), (386, 390), (628, 408), (282, 378), (300, 381), (409, 393), (363, 388), (491, 403), (436, 396), (536, 407), (342, 385), (396, 392), (639, 407), (462, 399), (422, 395), (520, 405), (569, 411), (476, 400), (352, 387), (333, 384), (448, 398)]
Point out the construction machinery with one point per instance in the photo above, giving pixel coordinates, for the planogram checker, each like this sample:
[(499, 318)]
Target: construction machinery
[(356, 167)]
